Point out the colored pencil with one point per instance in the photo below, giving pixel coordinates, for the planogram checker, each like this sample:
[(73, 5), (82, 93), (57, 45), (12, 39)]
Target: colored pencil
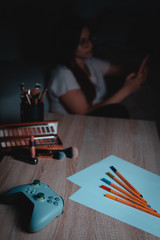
[(132, 205), (127, 198), (122, 190), (124, 186), (125, 180)]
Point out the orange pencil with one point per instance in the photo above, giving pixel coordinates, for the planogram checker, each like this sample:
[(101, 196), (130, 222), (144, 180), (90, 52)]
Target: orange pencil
[(126, 198), (132, 205), (124, 186), (122, 190), (125, 180)]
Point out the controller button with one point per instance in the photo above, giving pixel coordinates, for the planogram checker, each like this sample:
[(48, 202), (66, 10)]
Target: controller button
[(50, 197), (27, 190), (57, 199), (40, 196), (49, 201), (55, 203), (36, 183), (33, 191)]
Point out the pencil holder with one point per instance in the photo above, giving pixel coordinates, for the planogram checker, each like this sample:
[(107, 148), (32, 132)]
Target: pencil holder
[(32, 112)]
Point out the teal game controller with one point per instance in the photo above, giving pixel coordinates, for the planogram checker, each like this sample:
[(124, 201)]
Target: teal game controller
[(45, 203)]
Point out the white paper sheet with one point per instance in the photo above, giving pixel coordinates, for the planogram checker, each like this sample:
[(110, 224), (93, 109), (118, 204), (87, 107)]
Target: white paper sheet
[(91, 195)]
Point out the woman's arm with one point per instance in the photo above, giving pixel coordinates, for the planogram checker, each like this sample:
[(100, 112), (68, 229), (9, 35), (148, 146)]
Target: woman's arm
[(76, 102), (115, 70)]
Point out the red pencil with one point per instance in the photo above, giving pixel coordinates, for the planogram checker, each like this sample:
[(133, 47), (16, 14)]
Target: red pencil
[(122, 190), (127, 198), (125, 186)]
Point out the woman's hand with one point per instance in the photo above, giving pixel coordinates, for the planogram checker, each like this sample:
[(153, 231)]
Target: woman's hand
[(134, 81), (142, 75)]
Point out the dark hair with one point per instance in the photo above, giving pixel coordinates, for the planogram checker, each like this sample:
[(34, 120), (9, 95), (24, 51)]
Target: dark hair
[(66, 39)]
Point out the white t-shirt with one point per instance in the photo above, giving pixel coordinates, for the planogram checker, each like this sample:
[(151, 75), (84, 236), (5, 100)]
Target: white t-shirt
[(62, 80)]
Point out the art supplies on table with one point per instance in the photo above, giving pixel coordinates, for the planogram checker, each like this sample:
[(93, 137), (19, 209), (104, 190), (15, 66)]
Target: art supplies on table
[(32, 107), (39, 139), (33, 140), (100, 192)]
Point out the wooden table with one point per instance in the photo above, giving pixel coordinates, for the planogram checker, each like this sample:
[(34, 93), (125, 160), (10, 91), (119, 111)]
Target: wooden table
[(96, 138)]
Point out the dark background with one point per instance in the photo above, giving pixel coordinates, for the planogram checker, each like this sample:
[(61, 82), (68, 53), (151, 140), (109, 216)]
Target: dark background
[(125, 30), (27, 26)]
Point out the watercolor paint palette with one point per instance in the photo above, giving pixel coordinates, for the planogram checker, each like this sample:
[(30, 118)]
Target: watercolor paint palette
[(18, 135)]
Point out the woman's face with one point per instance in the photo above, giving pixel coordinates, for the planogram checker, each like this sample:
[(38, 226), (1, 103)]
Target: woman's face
[(85, 46)]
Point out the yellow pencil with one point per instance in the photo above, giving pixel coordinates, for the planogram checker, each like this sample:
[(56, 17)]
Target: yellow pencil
[(125, 186), (122, 190), (125, 180)]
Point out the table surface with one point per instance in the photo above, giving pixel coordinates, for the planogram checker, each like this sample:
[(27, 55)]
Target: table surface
[(96, 138)]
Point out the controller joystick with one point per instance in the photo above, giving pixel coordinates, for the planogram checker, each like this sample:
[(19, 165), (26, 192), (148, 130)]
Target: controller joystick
[(46, 204)]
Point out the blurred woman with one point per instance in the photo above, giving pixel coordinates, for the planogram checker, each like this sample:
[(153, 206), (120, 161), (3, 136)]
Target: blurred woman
[(77, 84)]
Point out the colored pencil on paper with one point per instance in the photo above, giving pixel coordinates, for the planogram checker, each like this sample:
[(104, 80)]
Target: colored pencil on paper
[(125, 180), (132, 205), (127, 198), (124, 186), (122, 190)]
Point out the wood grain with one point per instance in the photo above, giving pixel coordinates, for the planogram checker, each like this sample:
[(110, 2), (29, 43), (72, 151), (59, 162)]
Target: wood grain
[(96, 138)]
